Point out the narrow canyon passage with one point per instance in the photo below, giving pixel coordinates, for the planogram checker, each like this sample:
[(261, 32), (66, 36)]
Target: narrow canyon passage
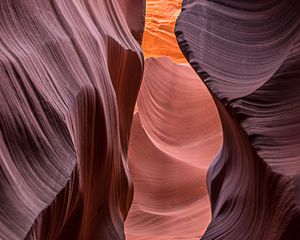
[(175, 135)]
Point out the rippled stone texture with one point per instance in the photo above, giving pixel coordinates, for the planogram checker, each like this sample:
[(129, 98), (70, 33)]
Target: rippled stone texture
[(248, 55), (175, 134), (70, 74), (159, 39)]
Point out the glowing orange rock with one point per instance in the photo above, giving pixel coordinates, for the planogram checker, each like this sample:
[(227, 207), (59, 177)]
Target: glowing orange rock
[(159, 38)]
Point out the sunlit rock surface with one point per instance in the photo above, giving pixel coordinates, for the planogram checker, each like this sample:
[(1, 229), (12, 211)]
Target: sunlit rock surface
[(69, 77), (159, 39), (175, 135)]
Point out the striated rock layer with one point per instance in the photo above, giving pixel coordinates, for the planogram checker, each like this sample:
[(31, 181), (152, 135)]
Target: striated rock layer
[(70, 74), (248, 55), (173, 141)]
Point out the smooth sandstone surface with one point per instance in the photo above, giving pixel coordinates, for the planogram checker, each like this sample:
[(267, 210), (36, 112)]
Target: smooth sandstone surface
[(248, 55), (176, 133), (69, 77)]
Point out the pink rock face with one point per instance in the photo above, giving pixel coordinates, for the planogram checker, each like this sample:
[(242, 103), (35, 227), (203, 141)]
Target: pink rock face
[(175, 135), (248, 55), (70, 74)]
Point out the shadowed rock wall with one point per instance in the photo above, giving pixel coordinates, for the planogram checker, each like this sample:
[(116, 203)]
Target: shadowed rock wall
[(70, 75), (248, 55)]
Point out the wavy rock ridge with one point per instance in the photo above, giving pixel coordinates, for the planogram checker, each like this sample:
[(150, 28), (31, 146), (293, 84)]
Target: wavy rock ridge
[(173, 141), (175, 135), (70, 74), (248, 55)]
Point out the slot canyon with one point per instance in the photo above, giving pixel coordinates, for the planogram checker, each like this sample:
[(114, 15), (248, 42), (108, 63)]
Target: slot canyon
[(149, 120)]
